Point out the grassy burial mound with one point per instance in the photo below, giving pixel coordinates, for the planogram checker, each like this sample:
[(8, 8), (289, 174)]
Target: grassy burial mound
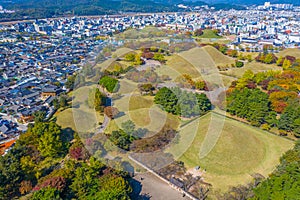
[(240, 151), (141, 110), (253, 66), (80, 117), (182, 66), (199, 62), (117, 54), (218, 58), (289, 52)]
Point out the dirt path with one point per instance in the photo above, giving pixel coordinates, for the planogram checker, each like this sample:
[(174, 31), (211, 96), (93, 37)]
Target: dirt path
[(151, 187)]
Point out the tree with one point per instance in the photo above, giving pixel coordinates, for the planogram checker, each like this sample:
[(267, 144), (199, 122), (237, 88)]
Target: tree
[(128, 127), (39, 116), (130, 57), (279, 61), (46, 194), (109, 83), (51, 142), (138, 60), (63, 101), (203, 103), (55, 103), (58, 183), (239, 64), (286, 64), (95, 99), (159, 57), (113, 187), (111, 112), (147, 88), (25, 187), (70, 82), (121, 139), (198, 32), (289, 119)]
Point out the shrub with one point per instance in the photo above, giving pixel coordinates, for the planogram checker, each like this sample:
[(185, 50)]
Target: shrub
[(239, 64)]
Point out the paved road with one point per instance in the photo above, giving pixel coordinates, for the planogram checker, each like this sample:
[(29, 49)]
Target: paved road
[(105, 123), (153, 188)]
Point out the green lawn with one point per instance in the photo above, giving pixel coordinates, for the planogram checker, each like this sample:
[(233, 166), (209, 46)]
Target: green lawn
[(240, 151), (80, 117), (142, 111), (127, 87)]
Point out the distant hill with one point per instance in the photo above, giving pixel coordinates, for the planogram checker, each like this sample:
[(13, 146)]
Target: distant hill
[(55, 8), (250, 2)]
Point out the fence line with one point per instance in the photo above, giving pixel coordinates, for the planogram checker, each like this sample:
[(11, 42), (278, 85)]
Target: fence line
[(163, 179)]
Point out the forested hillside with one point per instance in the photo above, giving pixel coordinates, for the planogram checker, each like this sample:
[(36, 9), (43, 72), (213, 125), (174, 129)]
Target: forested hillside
[(284, 182), (48, 162), (268, 99)]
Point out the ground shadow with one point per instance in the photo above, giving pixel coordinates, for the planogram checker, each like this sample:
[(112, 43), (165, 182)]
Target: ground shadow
[(137, 188)]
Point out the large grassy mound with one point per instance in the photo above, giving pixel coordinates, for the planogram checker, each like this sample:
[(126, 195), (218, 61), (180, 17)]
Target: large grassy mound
[(117, 54), (142, 111), (240, 151), (253, 66), (80, 117), (218, 58), (289, 52), (182, 66)]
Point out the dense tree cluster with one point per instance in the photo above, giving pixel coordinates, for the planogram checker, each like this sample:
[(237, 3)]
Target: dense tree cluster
[(125, 136), (284, 182), (251, 104), (109, 83), (270, 98), (267, 58), (182, 103), (37, 166)]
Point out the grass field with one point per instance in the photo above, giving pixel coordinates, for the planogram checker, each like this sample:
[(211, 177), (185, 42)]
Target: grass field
[(80, 117), (142, 111), (289, 52), (127, 86), (240, 151)]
